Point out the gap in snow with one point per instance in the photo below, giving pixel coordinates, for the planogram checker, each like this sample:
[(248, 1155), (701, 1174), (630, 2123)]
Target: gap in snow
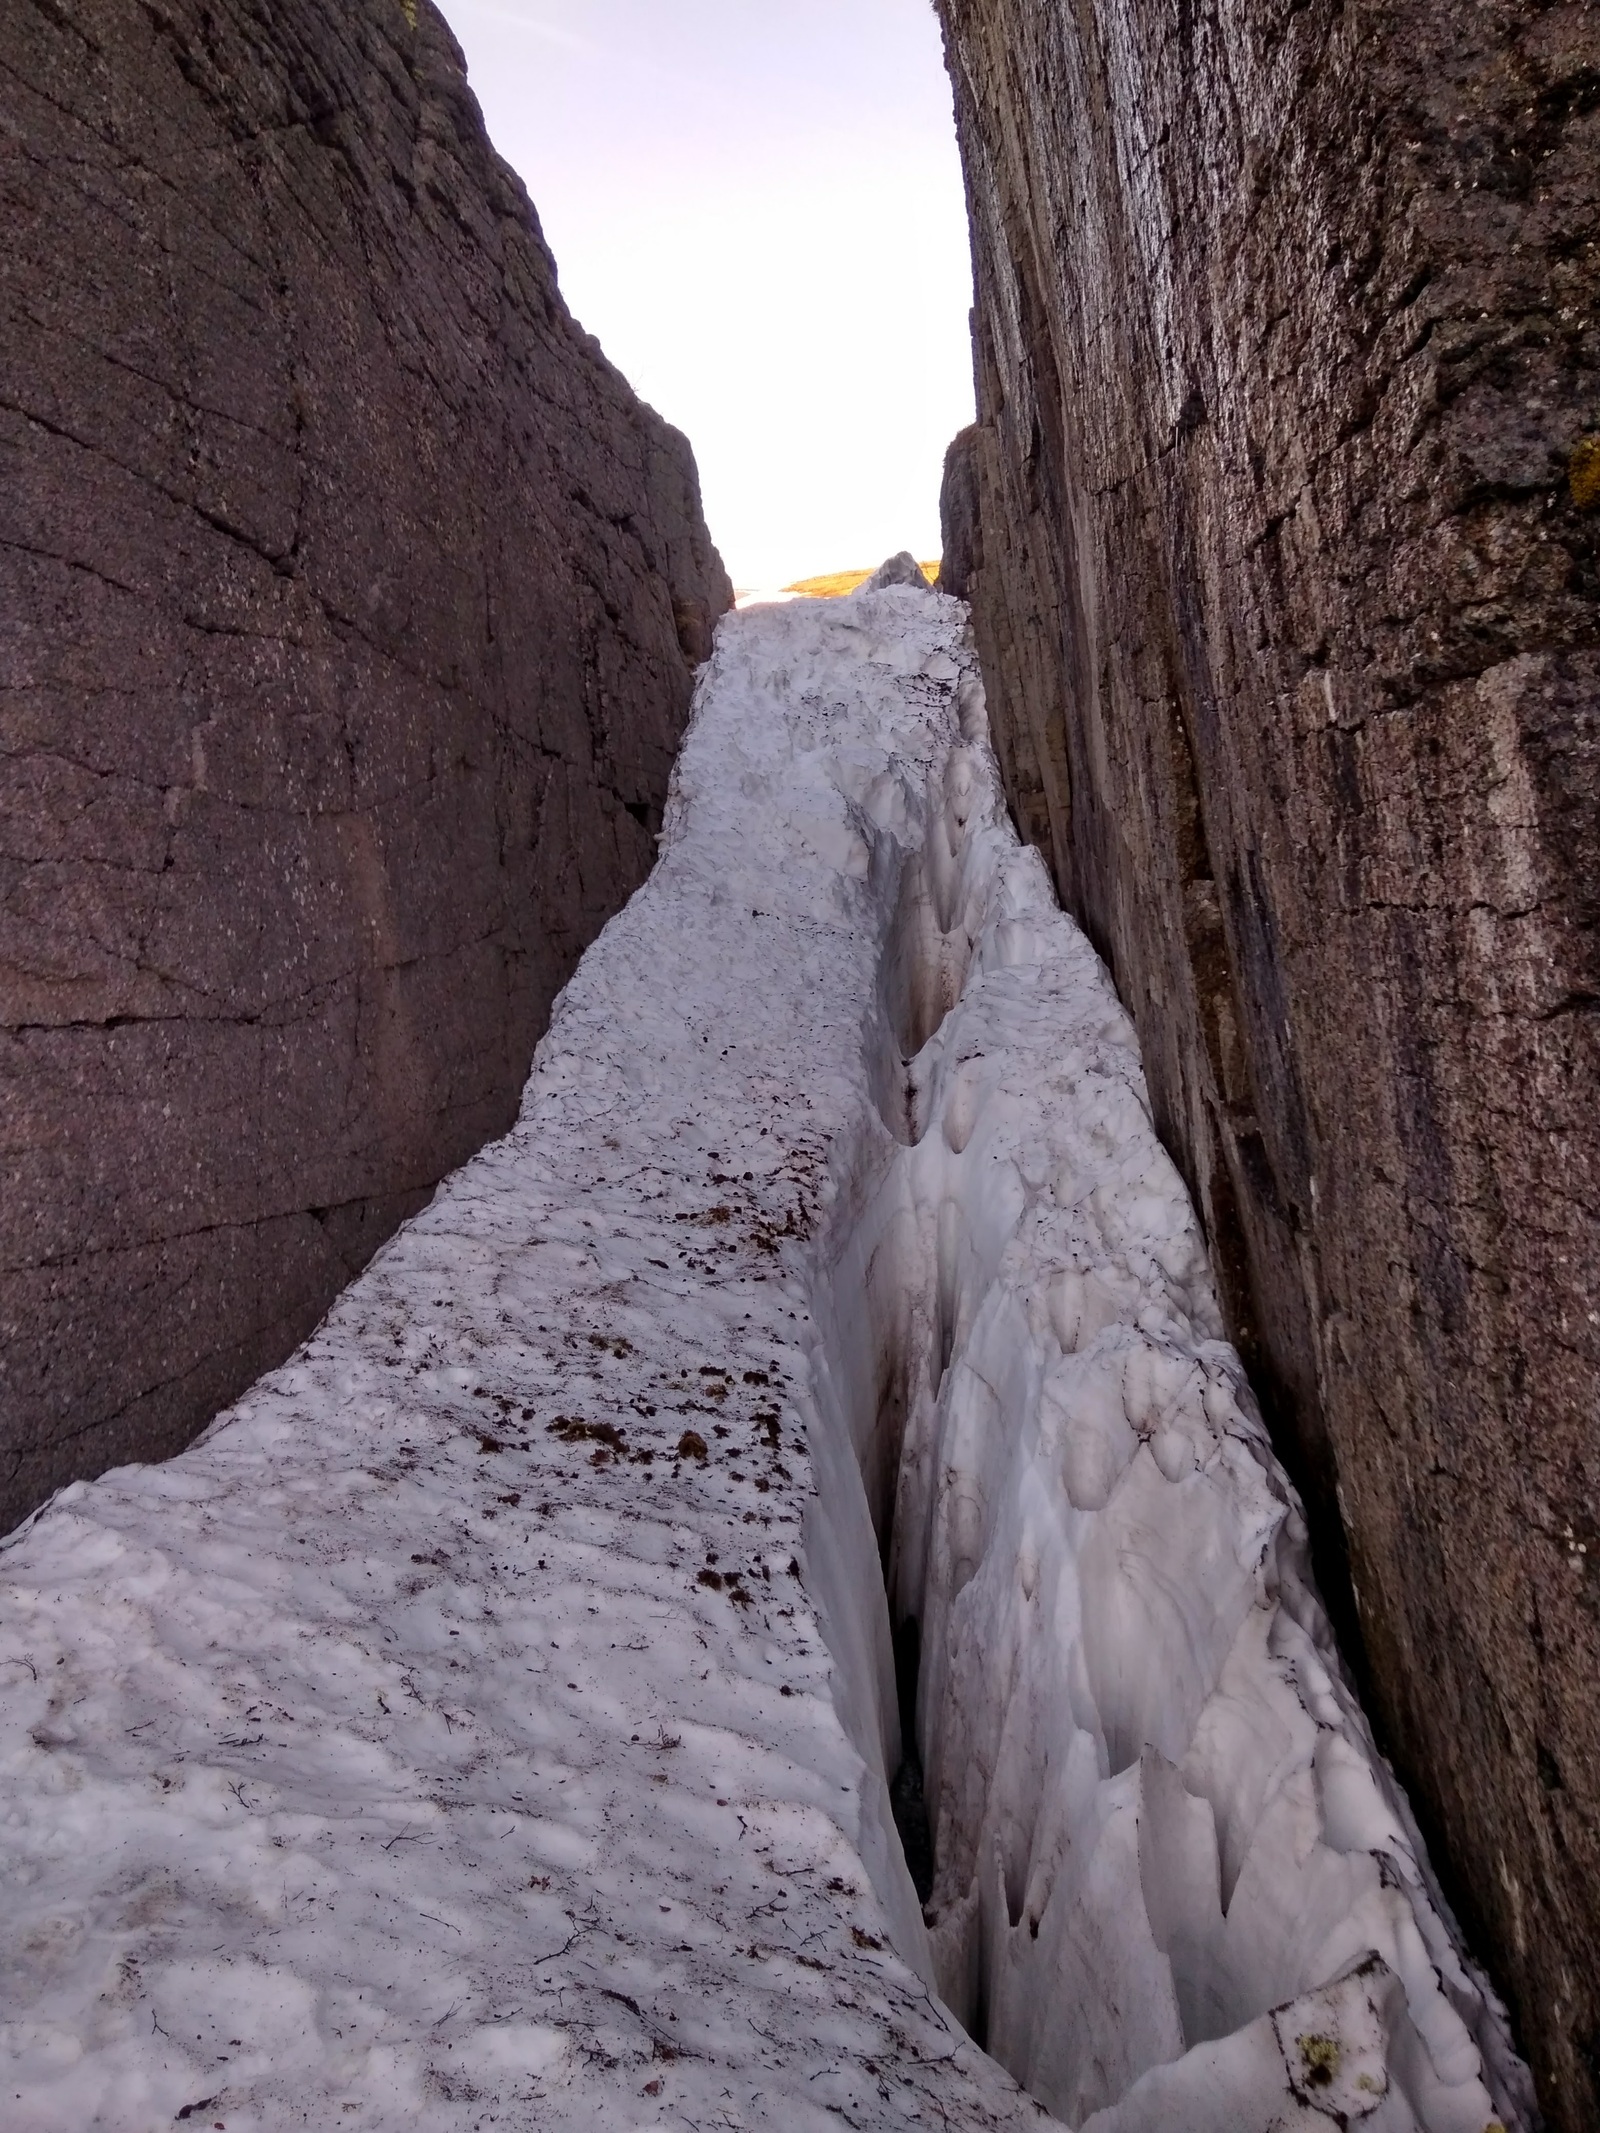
[(921, 973), (907, 1796)]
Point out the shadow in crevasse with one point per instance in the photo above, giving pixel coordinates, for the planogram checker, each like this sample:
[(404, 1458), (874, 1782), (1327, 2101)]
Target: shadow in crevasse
[(905, 1790)]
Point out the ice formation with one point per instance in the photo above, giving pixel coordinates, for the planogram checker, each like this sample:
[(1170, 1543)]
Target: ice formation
[(493, 1718)]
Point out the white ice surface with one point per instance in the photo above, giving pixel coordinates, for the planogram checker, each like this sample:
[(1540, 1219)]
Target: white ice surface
[(449, 1739)]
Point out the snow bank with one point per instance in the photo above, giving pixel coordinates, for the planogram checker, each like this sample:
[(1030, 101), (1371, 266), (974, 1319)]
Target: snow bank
[(492, 1719)]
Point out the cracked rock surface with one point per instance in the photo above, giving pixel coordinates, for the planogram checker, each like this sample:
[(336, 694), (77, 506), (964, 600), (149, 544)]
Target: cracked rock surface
[(349, 602), (1279, 525)]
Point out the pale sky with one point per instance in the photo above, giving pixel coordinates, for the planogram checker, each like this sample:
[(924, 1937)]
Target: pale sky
[(756, 207)]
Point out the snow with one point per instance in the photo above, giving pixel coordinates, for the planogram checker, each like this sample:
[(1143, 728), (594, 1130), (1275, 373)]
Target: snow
[(492, 1718)]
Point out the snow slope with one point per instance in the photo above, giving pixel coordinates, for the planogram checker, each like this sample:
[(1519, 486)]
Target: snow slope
[(490, 1721)]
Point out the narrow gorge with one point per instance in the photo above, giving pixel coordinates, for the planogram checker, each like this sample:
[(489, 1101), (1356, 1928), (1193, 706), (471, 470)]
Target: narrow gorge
[(836, 1364)]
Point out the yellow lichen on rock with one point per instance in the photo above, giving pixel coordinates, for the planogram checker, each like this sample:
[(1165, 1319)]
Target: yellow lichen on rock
[(835, 584), (1321, 2057)]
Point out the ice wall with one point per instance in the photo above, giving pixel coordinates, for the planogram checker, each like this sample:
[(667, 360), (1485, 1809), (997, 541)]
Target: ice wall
[(1175, 1884)]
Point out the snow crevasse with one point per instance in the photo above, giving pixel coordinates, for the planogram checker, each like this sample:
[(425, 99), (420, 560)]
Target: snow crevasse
[(1176, 1886)]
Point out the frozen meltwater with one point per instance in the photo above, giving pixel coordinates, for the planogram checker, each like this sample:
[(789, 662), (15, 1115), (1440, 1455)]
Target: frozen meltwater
[(493, 1718)]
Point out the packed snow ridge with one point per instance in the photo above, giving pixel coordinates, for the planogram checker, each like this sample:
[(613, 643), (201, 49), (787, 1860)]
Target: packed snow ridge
[(493, 1719)]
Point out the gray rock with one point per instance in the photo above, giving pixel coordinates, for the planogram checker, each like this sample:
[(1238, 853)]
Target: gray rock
[(1278, 524), (901, 569), (348, 606)]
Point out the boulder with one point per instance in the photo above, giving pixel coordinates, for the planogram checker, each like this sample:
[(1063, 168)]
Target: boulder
[(901, 569)]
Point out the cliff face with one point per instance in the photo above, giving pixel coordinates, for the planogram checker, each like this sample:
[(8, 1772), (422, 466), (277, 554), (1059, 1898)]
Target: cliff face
[(1279, 523), (349, 603)]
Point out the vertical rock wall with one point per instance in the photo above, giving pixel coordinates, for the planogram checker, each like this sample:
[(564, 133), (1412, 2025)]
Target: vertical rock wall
[(349, 602), (1280, 525)]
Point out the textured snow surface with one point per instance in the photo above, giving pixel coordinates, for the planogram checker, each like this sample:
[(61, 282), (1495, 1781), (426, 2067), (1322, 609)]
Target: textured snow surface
[(490, 1721)]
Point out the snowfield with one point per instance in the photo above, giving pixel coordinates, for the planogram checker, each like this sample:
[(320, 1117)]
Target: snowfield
[(493, 1719)]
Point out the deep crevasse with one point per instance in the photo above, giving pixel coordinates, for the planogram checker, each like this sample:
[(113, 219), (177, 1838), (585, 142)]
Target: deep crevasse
[(495, 1711)]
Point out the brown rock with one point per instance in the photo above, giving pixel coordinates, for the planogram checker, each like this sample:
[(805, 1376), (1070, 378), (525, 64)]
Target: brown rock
[(348, 601), (1284, 569)]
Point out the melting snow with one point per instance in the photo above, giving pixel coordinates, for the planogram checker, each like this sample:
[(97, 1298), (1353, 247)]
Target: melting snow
[(492, 1719)]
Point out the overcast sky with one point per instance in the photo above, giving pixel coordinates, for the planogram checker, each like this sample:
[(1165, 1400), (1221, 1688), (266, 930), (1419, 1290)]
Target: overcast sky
[(756, 206)]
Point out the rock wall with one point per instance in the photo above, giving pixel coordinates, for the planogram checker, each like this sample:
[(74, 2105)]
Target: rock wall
[(349, 603), (1279, 522)]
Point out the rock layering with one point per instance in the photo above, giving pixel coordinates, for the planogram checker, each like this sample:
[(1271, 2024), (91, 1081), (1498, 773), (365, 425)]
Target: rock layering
[(349, 602), (1279, 524)]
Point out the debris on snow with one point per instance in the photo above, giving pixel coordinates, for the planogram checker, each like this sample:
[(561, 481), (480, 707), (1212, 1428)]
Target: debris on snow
[(497, 1707)]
